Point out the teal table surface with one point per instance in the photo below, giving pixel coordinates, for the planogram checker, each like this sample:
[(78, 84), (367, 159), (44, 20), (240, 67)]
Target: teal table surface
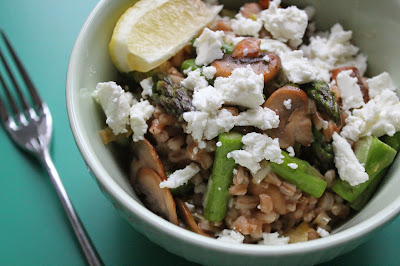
[(33, 227)]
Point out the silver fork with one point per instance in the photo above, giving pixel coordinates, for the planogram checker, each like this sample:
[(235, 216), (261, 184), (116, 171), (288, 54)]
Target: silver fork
[(31, 129)]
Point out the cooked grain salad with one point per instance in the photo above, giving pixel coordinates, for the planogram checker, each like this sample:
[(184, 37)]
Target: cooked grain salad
[(259, 129)]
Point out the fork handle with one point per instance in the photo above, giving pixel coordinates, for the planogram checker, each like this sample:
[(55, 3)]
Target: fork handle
[(88, 248)]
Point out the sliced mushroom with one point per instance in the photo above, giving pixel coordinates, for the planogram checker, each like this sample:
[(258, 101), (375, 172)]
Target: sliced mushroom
[(253, 56), (249, 9), (145, 155), (158, 200), (187, 217), (295, 123), (355, 74)]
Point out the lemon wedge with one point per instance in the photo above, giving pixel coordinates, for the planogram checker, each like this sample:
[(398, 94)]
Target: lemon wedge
[(151, 32)]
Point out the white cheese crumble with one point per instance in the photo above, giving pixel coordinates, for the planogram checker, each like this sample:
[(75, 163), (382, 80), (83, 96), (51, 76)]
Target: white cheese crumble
[(209, 71), (285, 24), (350, 91), (243, 87), (378, 83), (322, 232), (208, 99), (147, 85), (219, 144), (116, 104), (273, 239), (288, 104), (297, 68), (246, 26), (346, 162), (230, 236), (378, 117), (139, 114), (291, 152), (257, 147), (208, 46), (293, 165), (266, 58), (274, 46), (180, 177), (194, 80), (334, 49), (211, 125), (237, 40)]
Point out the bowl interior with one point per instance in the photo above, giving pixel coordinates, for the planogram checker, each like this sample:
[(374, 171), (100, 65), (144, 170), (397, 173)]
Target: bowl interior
[(376, 30)]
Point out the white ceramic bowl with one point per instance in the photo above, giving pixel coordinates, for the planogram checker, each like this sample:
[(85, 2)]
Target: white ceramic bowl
[(376, 27)]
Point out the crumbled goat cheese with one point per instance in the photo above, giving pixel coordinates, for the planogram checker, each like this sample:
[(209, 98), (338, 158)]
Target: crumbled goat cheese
[(139, 114), (197, 122), (378, 83), (297, 68), (116, 104), (325, 124), (322, 232), (245, 51), (257, 147), (350, 91), (235, 171), (191, 207), (209, 71), (243, 87), (147, 85), (334, 50), (291, 152), (273, 239), (219, 144), (237, 40), (260, 117), (194, 80), (266, 58), (246, 26), (349, 168), (293, 165), (180, 177), (211, 125), (202, 145), (208, 46), (285, 24), (378, 117), (230, 236), (208, 99), (288, 104), (274, 46), (195, 150)]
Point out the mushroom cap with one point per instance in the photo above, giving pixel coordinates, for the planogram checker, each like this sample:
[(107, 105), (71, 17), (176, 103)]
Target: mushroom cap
[(158, 200), (187, 217), (295, 123)]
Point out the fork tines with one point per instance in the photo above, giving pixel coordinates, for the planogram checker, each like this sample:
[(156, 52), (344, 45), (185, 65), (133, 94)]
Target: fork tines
[(28, 111)]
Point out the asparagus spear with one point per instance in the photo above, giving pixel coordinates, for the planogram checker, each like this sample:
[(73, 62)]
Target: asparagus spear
[(217, 194), (376, 156), (324, 99), (320, 153), (189, 63), (362, 200), (175, 99), (305, 177)]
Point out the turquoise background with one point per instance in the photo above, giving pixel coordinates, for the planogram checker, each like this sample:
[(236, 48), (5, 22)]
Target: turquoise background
[(33, 227)]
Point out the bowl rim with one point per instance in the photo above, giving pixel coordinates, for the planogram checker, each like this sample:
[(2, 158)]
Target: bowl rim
[(142, 213)]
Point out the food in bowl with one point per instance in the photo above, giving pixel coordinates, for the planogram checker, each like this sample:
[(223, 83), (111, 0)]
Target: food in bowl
[(250, 127)]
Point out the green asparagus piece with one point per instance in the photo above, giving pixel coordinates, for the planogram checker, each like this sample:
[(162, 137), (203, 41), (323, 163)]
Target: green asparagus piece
[(324, 99), (321, 152), (305, 177), (392, 141), (364, 197), (175, 99), (362, 200), (217, 194), (375, 155), (190, 63)]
